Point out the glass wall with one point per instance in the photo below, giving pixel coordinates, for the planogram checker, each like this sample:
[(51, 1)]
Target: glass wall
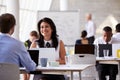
[(28, 14)]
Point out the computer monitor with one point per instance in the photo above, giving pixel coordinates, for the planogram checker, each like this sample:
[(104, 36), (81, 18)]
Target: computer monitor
[(34, 54), (85, 49), (102, 47)]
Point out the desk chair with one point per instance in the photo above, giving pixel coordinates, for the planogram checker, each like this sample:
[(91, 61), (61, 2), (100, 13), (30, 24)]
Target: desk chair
[(85, 59), (87, 49), (9, 71)]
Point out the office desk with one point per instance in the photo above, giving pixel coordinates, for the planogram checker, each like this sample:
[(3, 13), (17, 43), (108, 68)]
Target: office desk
[(110, 59), (64, 68)]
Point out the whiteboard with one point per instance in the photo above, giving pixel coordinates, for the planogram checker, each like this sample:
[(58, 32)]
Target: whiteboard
[(67, 24)]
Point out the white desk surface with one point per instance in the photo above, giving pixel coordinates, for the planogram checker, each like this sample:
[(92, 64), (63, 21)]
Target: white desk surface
[(79, 67), (62, 68), (107, 59)]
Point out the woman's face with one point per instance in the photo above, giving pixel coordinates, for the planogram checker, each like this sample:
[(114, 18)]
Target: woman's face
[(45, 29), (33, 38)]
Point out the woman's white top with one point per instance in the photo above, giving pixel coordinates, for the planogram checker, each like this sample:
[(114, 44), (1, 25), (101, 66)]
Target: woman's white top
[(56, 50)]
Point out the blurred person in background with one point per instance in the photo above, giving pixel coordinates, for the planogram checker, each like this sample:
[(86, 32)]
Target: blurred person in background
[(90, 28), (83, 39), (33, 36), (117, 29)]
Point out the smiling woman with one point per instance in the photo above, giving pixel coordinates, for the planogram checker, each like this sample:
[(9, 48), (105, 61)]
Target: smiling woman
[(48, 34)]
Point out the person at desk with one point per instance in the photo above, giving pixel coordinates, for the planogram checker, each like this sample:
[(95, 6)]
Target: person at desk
[(83, 39), (48, 38), (12, 50), (33, 36), (105, 69), (117, 29)]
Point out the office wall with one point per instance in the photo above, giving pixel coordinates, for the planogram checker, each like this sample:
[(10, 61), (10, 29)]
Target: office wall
[(105, 12)]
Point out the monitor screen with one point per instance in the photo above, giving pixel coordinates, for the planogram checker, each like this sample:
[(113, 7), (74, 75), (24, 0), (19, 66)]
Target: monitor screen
[(34, 54), (85, 49), (102, 47)]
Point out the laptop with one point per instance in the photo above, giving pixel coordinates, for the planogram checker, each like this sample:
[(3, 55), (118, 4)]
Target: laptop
[(34, 54), (85, 49), (102, 47), (49, 53)]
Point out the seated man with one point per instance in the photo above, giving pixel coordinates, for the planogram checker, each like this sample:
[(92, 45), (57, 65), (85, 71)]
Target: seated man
[(12, 50), (106, 68)]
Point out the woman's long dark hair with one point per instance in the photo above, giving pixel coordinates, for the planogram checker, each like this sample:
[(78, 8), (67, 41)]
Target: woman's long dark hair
[(54, 32)]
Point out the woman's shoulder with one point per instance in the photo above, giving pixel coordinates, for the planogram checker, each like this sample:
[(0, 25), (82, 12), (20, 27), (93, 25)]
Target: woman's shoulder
[(78, 41), (60, 41)]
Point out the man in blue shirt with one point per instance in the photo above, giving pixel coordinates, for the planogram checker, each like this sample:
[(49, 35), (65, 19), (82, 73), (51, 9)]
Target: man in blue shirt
[(12, 50)]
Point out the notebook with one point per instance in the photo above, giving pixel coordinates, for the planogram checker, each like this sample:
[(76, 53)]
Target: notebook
[(49, 53), (34, 54), (85, 49), (102, 47)]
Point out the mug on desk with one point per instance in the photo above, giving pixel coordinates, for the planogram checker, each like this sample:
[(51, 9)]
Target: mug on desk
[(43, 62)]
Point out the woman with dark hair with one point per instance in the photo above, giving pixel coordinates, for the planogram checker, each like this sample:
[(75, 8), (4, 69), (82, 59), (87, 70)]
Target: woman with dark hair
[(83, 39), (48, 38)]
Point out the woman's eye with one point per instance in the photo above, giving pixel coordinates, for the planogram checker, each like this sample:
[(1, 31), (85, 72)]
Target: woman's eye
[(41, 27)]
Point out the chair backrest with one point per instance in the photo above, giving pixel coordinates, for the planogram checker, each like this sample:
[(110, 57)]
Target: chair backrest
[(83, 59), (85, 49), (9, 71)]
